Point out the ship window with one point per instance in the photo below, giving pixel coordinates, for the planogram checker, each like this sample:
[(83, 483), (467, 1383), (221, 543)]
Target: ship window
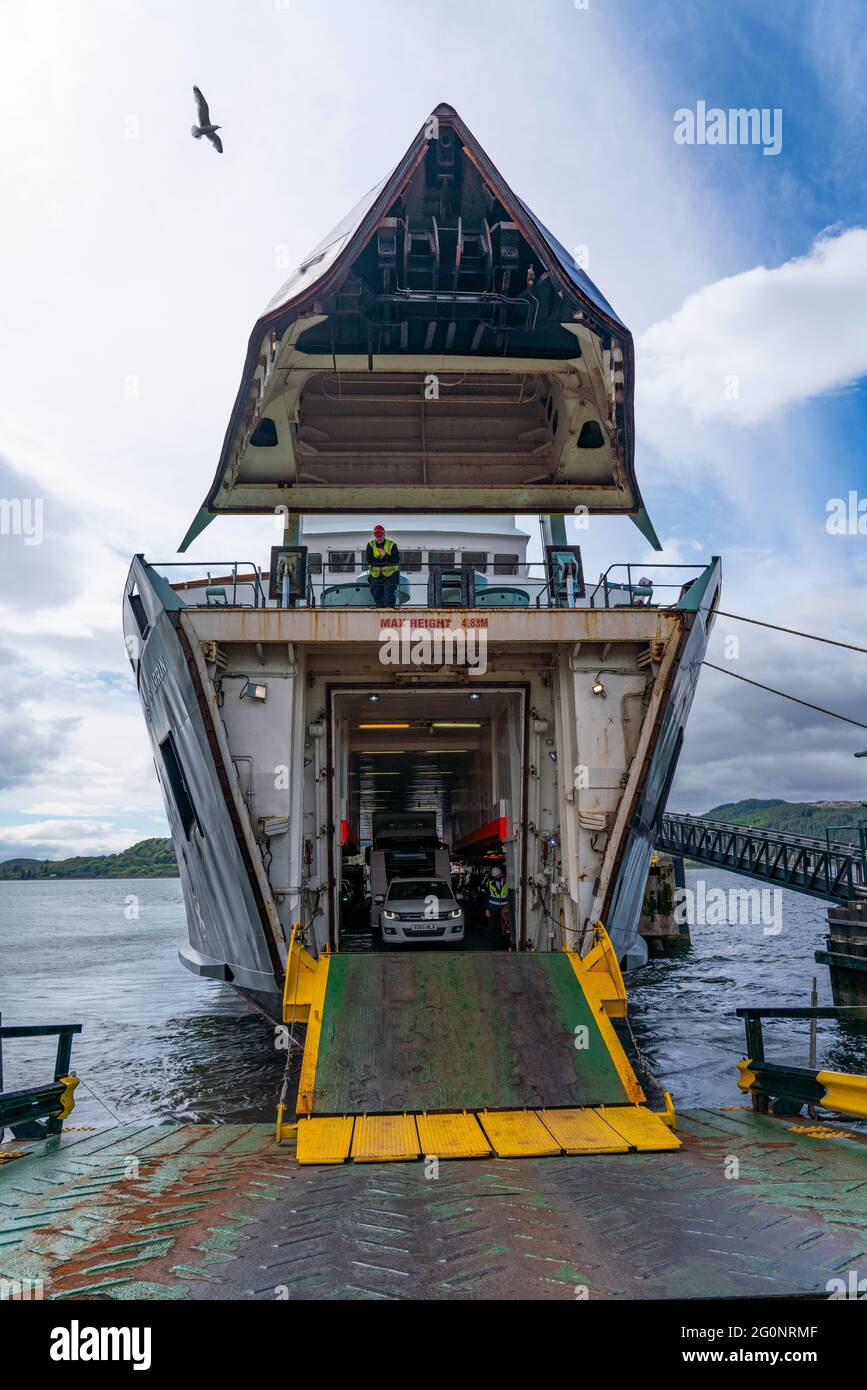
[(264, 435), (505, 564), (410, 561), (591, 436), (475, 559), (314, 564), (341, 561), (178, 783), (138, 612), (441, 557)]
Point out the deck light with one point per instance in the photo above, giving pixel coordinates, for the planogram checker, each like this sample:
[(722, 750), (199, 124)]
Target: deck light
[(598, 687), (474, 695), (252, 691), (374, 699), (552, 755)]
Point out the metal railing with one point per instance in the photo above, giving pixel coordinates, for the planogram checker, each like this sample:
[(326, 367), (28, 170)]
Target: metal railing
[(238, 582), (33, 1112), (786, 1089), (638, 591), (793, 861), (524, 584)]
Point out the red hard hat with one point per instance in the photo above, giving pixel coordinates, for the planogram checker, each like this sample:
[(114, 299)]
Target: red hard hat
[(379, 530)]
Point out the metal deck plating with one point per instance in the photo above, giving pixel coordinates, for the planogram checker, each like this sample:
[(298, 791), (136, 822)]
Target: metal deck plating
[(220, 1212)]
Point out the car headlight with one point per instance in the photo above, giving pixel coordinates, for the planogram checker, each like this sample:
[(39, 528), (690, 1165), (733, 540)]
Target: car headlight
[(456, 913), (392, 916)]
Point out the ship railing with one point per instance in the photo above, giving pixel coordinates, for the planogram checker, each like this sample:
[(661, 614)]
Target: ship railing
[(466, 583), (625, 584), (220, 586)]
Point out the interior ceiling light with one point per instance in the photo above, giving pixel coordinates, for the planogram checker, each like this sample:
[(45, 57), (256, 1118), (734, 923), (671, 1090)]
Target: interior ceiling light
[(374, 699), (474, 695), (383, 726), (445, 750), (443, 724), (598, 687)]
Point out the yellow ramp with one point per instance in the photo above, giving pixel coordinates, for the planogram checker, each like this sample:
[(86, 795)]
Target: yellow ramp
[(583, 1132), (382, 1138), (641, 1129), (452, 1136), (518, 1134), (326, 1140)]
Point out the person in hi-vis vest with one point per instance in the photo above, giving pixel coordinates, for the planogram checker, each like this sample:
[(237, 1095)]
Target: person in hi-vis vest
[(497, 902), (382, 558)]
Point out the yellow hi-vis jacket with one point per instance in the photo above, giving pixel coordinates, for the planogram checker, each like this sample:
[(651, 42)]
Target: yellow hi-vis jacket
[(498, 892), (379, 553)]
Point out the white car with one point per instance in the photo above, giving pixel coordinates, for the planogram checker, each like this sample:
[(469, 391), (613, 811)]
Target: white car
[(420, 909)]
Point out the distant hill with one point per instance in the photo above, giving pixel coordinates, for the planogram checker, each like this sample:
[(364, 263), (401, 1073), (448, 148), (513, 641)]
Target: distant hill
[(147, 859), (794, 817)]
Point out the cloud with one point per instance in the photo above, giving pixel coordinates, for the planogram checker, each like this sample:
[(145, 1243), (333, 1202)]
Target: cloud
[(743, 349), (59, 839)]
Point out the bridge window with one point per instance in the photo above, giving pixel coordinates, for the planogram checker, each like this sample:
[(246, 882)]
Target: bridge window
[(505, 564), (475, 559), (341, 561), (442, 557)]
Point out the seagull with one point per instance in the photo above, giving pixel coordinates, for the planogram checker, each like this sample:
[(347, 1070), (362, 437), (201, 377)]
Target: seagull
[(204, 127)]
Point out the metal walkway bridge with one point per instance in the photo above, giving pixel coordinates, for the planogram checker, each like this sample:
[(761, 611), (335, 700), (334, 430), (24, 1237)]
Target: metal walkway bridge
[(822, 868)]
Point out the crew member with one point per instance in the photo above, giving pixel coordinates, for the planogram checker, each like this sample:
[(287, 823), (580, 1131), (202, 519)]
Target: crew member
[(497, 910), (383, 569)]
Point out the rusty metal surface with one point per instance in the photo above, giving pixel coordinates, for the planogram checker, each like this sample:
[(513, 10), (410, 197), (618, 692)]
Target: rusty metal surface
[(221, 1213), (360, 626), (458, 1031)]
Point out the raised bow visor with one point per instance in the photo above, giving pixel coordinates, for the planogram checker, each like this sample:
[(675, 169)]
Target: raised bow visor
[(439, 350)]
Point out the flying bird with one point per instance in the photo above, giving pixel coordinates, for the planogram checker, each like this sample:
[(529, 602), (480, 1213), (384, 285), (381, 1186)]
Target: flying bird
[(205, 127)]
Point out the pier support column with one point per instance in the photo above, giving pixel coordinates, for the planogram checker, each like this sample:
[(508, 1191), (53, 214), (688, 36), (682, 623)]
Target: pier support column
[(846, 956), (659, 924)]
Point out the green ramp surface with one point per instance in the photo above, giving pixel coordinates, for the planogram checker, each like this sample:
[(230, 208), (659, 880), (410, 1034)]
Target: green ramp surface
[(459, 1031)]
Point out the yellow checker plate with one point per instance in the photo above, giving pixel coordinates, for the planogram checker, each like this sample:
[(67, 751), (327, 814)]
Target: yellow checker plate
[(518, 1133), (583, 1132), (452, 1136), (640, 1128), (381, 1138), (324, 1139)]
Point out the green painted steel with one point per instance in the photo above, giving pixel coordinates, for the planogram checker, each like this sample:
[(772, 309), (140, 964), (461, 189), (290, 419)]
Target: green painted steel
[(458, 1030), (253, 1225)]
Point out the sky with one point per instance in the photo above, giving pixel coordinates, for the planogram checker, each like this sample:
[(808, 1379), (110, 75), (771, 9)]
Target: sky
[(135, 261)]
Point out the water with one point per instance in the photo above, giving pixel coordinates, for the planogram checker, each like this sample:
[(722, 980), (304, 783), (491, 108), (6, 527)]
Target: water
[(682, 1007), (159, 1043)]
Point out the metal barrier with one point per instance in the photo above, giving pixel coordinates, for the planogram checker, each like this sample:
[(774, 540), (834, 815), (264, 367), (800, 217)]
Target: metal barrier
[(785, 1090), (37, 1111), (463, 583)]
